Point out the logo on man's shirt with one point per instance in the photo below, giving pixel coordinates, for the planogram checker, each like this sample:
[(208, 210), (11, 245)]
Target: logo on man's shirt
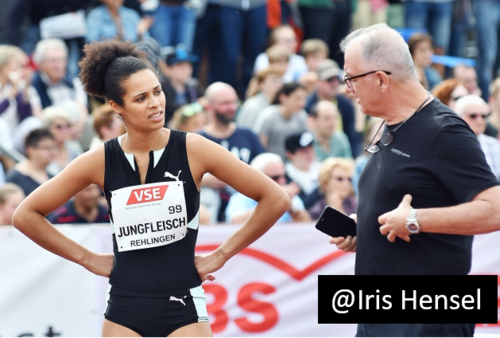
[(400, 153)]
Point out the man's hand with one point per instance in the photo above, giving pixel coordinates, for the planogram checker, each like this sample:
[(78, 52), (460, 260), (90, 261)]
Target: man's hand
[(292, 189), (394, 222), (346, 244)]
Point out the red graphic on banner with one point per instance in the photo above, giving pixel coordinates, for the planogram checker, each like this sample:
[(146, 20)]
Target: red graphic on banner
[(146, 195), (280, 264)]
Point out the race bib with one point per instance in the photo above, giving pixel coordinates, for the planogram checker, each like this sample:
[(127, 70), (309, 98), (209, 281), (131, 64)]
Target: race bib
[(149, 215)]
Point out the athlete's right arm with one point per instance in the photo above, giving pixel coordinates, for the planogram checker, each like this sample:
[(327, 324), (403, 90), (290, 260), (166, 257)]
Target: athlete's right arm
[(29, 217)]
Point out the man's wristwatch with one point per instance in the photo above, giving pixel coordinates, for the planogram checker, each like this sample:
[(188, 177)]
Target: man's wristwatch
[(412, 223)]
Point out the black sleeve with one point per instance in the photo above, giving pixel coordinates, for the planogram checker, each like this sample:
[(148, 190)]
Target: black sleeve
[(460, 164)]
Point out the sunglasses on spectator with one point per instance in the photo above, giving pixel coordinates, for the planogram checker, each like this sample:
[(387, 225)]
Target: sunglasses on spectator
[(474, 115), (343, 178), (192, 109), (456, 98), (276, 177), (63, 126), (53, 148)]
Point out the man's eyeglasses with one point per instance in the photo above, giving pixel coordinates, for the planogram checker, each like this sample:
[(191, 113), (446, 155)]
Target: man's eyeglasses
[(456, 98), (474, 115), (347, 78)]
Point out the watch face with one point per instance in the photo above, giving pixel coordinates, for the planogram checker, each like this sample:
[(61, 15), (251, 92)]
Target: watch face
[(412, 227)]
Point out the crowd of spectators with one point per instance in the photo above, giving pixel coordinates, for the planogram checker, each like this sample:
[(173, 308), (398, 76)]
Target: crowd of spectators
[(262, 78)]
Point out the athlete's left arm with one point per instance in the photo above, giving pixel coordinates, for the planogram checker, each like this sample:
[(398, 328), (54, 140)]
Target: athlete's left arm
[(207, 156), (480, 215)]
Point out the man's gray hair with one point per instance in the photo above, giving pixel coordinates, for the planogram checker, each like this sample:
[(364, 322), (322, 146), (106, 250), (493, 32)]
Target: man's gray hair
[(262, 160), (43, 45), (383, 48), (465, 101)]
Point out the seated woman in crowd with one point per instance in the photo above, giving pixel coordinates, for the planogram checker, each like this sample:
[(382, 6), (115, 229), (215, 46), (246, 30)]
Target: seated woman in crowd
[(10, 198), (58, 122), (41, 150), (421, 50), (261, 92), (189, 118), (449, 91), (335, 182), (112, 20), (285, 36), (285, 117)]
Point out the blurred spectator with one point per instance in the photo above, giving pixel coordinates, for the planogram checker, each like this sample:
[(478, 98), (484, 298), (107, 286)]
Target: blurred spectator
[(467, 75), (279, 57), (314, 51), (174, 23), (231, 28), (19, 101), (369, 12), (35, 11), (421, 51), (329, 21), (190, 118), (435, 17), (179, 87), (221, 128), (329, 141), (335, 181), (51, 82), (493, 125), (241, 207), (420, 74), (41, 150), (82, 209), (107, 125), (328, 89), (10, 198), (475, 111), (373, 134), (285, 117), (112, 20), (262, 91), (302, 168), (487, 13), (449, 91), (284, 36), (57, 120)]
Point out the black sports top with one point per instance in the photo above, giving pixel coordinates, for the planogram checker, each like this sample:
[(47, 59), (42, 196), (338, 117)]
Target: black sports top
[(154, 272)]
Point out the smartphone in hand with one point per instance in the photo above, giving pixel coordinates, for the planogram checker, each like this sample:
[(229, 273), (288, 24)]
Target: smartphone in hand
[(335, 223)]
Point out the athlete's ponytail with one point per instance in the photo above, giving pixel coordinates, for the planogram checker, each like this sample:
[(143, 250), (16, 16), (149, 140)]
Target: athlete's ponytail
[(106, 64)]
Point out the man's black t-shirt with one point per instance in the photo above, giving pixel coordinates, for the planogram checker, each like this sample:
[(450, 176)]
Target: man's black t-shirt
[(436, 158)]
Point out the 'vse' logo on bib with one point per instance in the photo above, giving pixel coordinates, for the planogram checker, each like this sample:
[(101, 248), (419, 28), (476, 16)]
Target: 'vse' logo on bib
[(147, 195)]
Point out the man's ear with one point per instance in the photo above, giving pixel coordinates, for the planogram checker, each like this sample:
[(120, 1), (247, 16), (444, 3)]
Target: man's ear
[(383, 81)]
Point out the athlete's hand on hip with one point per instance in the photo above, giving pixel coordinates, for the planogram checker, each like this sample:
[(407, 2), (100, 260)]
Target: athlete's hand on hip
[(394, 222), (206, 264), (346, 244), (100, 264)]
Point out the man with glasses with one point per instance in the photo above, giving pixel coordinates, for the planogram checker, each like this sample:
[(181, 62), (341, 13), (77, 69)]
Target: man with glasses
[(426, 187), (475, 112), (327, 88), (222, 104)]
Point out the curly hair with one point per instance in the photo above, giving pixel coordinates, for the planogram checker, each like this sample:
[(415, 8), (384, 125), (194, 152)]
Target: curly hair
[(107, 64)]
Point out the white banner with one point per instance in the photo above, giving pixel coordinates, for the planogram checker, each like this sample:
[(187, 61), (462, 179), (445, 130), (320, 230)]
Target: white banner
[(270, 289)]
